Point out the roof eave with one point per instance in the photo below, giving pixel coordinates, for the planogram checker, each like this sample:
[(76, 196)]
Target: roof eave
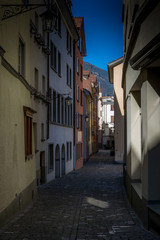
[(69, 20)]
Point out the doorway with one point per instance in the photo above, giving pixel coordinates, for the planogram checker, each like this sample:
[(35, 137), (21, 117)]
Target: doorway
[(57, 162), (42, 168), (63, 160)]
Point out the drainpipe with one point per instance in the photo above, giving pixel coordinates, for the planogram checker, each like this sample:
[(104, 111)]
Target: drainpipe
[(74, 42), (48, 87)]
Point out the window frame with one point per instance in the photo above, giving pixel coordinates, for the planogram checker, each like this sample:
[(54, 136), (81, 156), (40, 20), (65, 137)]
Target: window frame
[(59, 64), (50, 160), (21, 57), (54, 106), (36, 78), (28, 126)]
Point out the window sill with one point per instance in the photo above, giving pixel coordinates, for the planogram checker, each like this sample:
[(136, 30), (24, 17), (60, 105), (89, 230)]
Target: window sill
[(155, 208), (69, 86), (138, 188), (28, 157), (53, 69)]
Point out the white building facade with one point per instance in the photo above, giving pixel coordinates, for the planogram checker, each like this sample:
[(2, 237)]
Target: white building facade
[(61, 84), (108, 121)]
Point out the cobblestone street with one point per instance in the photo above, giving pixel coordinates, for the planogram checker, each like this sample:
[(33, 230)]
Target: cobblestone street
[(87, 204)]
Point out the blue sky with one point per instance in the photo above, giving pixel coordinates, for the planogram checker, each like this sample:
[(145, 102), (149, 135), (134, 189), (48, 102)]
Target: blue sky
[(103, 29)]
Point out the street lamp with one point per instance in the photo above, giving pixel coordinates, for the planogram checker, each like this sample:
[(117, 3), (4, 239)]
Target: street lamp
[(86, 118), (49, 19), (68, 100)]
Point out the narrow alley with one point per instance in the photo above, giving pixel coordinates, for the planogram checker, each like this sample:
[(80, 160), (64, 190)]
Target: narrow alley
[(86, 204)]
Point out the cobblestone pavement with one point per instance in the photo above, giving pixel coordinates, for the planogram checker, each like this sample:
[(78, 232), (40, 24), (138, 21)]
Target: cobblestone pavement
[(86, 204)]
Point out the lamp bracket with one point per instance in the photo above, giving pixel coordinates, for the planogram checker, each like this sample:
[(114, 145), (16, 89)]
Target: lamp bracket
[(16, 9)]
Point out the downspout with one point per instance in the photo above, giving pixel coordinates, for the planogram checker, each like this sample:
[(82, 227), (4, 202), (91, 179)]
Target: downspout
[(48, 87), (74, 42)]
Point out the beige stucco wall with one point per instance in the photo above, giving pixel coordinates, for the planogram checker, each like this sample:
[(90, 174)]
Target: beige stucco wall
[(16, 173), (142, 115), (119, 112)]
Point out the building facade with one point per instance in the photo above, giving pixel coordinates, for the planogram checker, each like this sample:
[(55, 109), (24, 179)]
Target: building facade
[(87, 124), (90, 84), (18, 161), (80, 52), (141, 86), (36, 79), (115, 77), (107, 103), (99, 113), (60, 152)]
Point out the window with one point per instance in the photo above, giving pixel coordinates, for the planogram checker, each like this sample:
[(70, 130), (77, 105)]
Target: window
[(36, 79), (50, 110), (35, 135), (28, 114), (66, 108), (81, 72), (59, 64), (36, 21), (59, 107), (21, 58), (67, 75), (43, 85), (78, 43), (52, 54), (69, 43), (112, 107), (77, 65), (67, 151), (81, 97), (55, 58), (70, 115), (54, 106), (62, 110), (78, 93), (77, 119), (70, 77), (112, 119), (67, 37), (59, 22), (81, 122), (50, 157), (70, 150), (42, 132)]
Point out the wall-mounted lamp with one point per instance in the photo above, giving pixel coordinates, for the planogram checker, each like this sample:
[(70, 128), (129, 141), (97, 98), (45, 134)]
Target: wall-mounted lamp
[(86, 118), (49, 19), (68, 100)]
